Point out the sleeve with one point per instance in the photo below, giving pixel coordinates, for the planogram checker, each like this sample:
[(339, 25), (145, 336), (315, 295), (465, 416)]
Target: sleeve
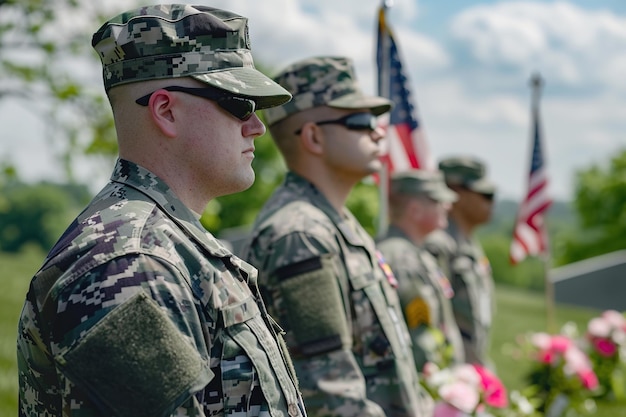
[(124, 340), (307, 291)]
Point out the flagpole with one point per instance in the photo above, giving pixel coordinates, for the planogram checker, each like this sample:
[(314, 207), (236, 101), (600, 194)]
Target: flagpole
[(383, 90), (536, 83)]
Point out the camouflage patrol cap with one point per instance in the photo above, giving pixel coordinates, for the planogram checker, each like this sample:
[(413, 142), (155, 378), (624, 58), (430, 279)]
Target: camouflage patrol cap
[(178, 40), (323, 81), (468, 172), (422, 183)]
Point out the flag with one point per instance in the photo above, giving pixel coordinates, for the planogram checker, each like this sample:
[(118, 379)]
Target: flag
[(404, 146), (530, 236)]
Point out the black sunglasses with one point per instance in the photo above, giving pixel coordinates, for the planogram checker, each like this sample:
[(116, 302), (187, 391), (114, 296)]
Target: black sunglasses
[(488, 196), (241, 108), (355, 121)]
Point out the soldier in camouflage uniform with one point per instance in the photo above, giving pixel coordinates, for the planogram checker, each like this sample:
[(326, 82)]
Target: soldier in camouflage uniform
[(461, 255), (318, 268), (137, 310), (418, 205)]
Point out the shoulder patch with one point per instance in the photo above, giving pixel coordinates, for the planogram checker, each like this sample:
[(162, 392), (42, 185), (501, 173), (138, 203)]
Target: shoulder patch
[(314, 306), (298, 268), (417, 313), (135, 362)]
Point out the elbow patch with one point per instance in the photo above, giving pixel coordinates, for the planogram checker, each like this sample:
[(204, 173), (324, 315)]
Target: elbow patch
[(313, 303), (135, 362)]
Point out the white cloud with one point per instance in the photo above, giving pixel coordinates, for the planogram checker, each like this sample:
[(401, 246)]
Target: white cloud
[(345, 28), (571, 44), (479, 106)]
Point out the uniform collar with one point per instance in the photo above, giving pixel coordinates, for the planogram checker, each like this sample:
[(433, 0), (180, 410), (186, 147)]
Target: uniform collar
[(148, 183)]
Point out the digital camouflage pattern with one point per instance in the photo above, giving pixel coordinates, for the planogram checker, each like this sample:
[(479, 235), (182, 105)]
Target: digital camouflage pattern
[(464, 262), (468, 172), (312, 260), (137, 311), (178, 40), (419, 182), (323, 81), (425, 296)]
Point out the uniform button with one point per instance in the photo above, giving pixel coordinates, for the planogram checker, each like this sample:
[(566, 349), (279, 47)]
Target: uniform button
[(293, 410)]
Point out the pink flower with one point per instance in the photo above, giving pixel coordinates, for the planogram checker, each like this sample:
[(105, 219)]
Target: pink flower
[(461, 395), (467, 373), (546, 356), (589, 379), (494, 391), (429, 369), (443, 409), (604, 347), (576, 361), (560, 344)]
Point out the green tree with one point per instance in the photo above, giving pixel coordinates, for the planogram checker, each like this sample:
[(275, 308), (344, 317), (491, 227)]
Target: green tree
[(600, 201), (37, 214), (44, 47), (49, 68)]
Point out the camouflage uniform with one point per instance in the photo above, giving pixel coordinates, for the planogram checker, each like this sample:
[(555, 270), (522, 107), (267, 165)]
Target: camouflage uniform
[(470, 275), (137, 310), (322, 277), (425, 295), (425, 291), (463, 260)]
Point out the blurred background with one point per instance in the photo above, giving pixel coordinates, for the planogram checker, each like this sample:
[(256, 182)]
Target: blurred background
[(468, 65)]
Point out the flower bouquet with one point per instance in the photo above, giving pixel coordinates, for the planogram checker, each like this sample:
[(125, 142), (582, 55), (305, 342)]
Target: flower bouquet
[(465, 390), (606, 345), (561, 377)]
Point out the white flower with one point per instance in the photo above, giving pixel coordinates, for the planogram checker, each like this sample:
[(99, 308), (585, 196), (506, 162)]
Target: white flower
[(522, 403), (599, 327), (619, 337), (615, 318), (570, 329), (541, 340)]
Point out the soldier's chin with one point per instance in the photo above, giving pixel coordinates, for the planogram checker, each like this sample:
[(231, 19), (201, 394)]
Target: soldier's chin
[(375, 166)]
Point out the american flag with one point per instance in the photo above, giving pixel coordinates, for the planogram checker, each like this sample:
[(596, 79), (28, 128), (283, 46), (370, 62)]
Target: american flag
[(404, 146), (530, 236)]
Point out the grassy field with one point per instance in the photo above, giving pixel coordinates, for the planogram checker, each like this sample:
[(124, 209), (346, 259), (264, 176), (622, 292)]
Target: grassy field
[(16, 271), (518, 312)]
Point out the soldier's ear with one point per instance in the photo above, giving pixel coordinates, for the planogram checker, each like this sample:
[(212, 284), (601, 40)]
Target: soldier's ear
[(311, 138), (161, 106)]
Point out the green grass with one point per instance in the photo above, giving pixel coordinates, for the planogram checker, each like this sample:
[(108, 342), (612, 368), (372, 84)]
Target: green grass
[(15, 272), (519, 311)]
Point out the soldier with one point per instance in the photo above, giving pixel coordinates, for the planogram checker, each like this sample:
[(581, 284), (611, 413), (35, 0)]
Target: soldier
[(318, 268), (461, 256), (418, 205), (137, 310)]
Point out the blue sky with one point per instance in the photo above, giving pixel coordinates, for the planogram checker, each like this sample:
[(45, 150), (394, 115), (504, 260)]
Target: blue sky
[(469, 63)]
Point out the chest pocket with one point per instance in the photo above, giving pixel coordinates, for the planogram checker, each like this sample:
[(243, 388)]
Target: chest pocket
[(382, 335), (248, 356)]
